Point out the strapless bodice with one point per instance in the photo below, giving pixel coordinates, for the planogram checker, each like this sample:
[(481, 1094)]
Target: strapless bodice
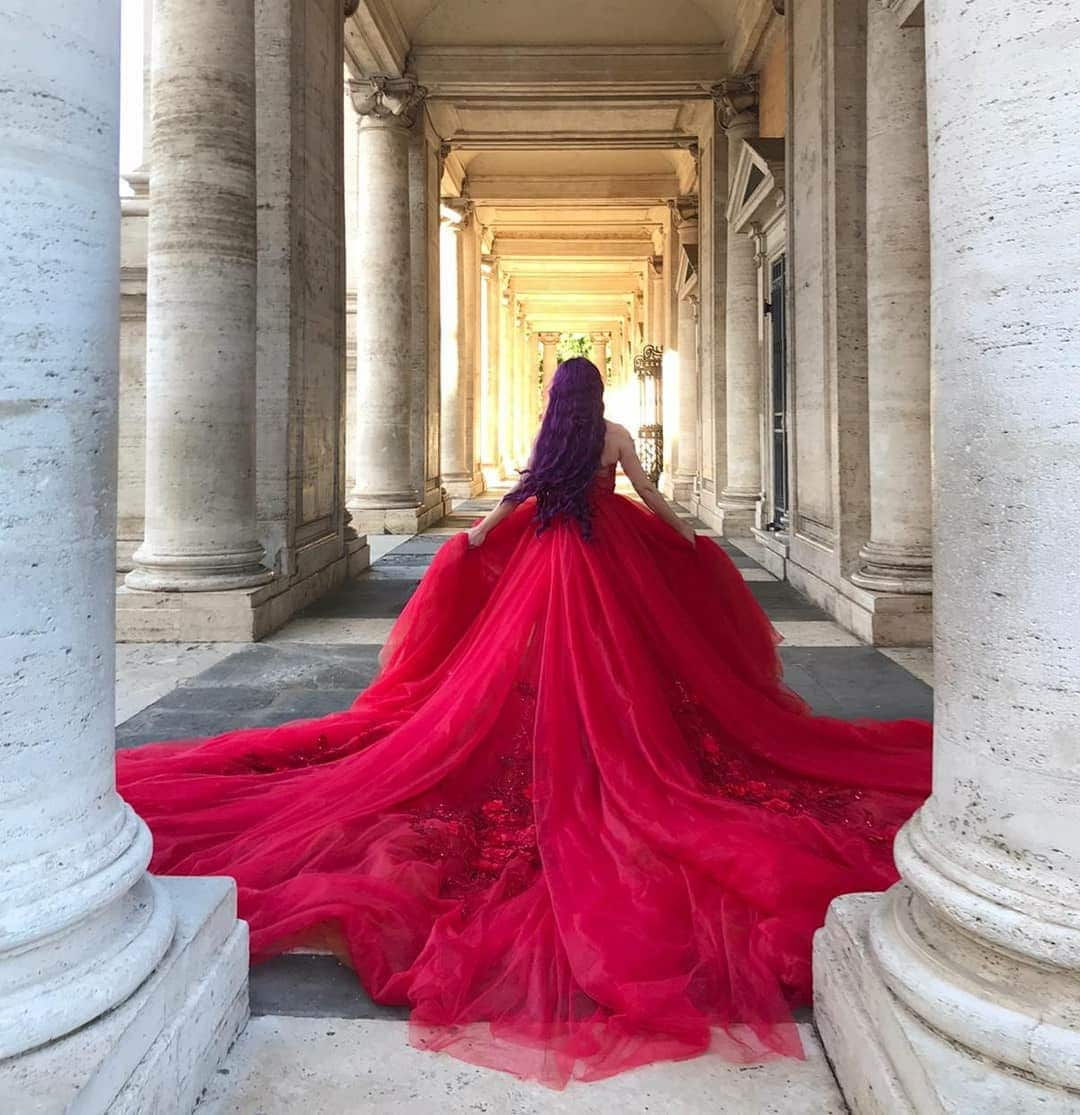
[(604, 480)]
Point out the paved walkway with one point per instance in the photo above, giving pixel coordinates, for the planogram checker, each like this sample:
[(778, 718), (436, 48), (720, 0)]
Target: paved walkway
[(316, 1044)]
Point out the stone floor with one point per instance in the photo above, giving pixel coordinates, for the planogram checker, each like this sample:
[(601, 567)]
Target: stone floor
[(316, 1043)]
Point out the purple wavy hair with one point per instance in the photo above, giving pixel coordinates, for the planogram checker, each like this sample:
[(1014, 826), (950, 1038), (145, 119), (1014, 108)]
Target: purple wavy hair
[(568, 448)]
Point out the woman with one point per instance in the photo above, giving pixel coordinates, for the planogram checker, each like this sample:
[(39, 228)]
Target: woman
[(577, 823)]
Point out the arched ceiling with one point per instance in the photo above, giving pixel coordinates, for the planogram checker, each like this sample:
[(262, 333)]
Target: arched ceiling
[(566, 22)]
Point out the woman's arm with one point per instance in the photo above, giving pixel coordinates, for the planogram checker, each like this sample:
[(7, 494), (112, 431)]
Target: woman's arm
[(490, 521), (645, 488), (504, 508)]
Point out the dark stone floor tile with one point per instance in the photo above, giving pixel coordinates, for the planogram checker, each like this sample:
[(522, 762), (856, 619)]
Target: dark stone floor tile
[(369, 597), (306, 705), (856, 682), (157, 725), (294, 665), (211, 698), (402, 558), (313, 987), (782, 602), (423, 544)]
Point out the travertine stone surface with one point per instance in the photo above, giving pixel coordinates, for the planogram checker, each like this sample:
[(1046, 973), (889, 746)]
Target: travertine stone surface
[(743, 368), (897, 557), (81, 924), (980, 943), (384, 341), (201, 533)]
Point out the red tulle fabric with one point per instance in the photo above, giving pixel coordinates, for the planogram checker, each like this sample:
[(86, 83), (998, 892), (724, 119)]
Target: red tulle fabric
[(577, 823)]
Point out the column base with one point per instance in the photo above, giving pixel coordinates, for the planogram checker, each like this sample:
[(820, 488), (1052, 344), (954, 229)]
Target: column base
[(463, 487), (154, 572), (894, 569), (244, 615), (889, 1062), (680, 489), (158, 1049), (879, 618), (401, 520)]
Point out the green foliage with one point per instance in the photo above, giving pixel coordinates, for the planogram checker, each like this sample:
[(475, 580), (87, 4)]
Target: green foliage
[(574, 344)]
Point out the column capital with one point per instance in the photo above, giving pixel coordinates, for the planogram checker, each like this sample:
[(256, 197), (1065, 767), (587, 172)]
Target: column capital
[(601, 335), (455, 212), (548, 338), (736, 100), (387, 100), (684, 211)]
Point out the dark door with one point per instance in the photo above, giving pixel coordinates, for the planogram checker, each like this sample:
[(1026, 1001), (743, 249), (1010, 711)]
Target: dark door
[(778, 403)]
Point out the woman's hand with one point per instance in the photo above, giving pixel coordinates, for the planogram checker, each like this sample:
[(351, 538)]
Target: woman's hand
[(476, 536), (688, 532)]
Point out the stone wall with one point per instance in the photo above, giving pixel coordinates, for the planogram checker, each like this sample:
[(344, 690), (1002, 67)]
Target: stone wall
[(826, 171), (772, 95)]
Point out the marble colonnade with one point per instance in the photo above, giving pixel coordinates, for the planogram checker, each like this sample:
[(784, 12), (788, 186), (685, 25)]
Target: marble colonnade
[(737, 110), (957, 989), (115, 988)]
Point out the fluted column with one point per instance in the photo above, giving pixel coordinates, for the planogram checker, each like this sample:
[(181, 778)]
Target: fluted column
[(81, 923), (968, 971), (200, 305), (737, 106), (387, 107), (550, 342), (897, 557)]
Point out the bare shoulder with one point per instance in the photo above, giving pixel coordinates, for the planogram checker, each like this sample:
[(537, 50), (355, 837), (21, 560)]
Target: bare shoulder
[(618, 433)]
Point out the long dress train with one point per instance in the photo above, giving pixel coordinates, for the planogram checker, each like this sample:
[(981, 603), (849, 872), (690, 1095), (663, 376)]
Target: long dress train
[(577, 823)]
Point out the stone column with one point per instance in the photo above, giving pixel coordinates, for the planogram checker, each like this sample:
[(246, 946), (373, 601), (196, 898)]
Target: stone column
[(524, 404), (897, 557), (489, 422), (737, 106), (685, 457), (200, 309), (656, 323), (680, 482), (600, 342), (454, 362), (550, 342), (387, 107), (81, 923), (958, 989), (507, 462)]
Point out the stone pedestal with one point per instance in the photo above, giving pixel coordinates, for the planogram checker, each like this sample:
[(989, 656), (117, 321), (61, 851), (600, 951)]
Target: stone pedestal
[(85, 933), (382, 470), (201, 532), (737, 106), (960, 985), (896, 560)]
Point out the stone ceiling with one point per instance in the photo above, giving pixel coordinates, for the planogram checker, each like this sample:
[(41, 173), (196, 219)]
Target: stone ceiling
[(571, 124)]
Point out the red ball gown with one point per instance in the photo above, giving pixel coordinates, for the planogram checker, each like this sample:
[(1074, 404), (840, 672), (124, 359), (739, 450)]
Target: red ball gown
[(577, 823)]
